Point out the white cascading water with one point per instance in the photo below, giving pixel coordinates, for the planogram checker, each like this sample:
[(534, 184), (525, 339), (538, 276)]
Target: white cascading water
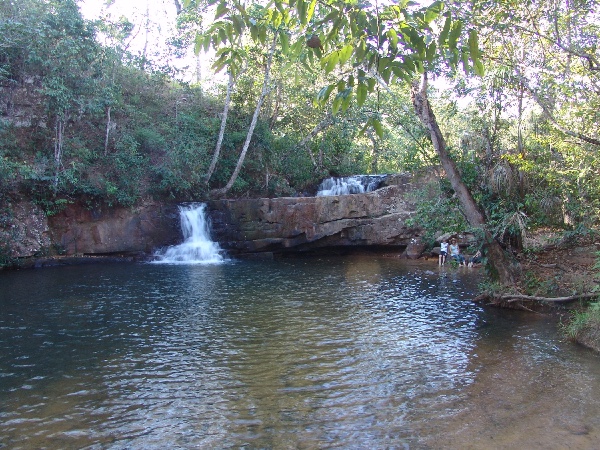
[(349, 185), (197, 247)]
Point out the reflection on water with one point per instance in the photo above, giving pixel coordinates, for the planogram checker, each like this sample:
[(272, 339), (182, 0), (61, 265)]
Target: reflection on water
[(329, 353)]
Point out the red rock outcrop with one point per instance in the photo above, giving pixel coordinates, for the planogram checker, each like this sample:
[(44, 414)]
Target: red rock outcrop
[(292, 224), (375, 219)]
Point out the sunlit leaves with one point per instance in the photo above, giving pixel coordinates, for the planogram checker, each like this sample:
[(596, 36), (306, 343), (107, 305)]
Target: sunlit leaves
[(345, 53), (222, 9), (455, 30), (392, 42), (474, 50), (445, 30), (432, 12), (361, 93)]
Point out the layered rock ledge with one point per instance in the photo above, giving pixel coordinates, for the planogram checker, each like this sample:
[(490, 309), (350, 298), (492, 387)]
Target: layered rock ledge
[(243, 226), (280, 225)]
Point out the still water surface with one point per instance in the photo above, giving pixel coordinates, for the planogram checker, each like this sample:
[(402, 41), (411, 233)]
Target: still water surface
[(349, 353)]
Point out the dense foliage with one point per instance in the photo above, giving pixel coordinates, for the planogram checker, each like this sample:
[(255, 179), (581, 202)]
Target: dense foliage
[(84, 120)]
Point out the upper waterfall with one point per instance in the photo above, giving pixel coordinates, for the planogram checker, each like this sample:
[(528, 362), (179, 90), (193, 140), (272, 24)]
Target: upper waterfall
[(356, 184), (197, 247)]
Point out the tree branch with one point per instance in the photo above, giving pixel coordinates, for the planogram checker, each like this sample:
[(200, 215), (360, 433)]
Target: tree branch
[(510, 298)]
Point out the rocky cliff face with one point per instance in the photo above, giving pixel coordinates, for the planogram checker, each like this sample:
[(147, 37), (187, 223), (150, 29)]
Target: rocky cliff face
[(27, 233), (298, 224), (375, 219), (111, 231)]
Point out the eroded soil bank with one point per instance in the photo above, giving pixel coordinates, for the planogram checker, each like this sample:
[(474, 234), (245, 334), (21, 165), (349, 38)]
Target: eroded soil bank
[(553, 266)]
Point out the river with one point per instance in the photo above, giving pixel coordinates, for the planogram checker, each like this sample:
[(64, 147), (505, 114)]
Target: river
[(359, 352)]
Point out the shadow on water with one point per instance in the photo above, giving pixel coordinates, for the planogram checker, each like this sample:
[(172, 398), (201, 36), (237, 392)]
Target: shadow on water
[(354, 352)]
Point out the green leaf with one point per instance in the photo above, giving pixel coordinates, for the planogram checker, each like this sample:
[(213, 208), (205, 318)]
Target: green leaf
[(347, 99), (383, 64), (445, 31), (473, 45), (433, 11), (371, 83), (393, 38), (361, 51), (431, 52), (198, 43), (220, 64), (297, 48), (478, 68), (342, 100), (345, 54), (285, 42), (341, 85), (222, 9), (365, 127), (311, 10), (455, 31), (276, 19), (378, 127), (324, 93), (361, 93), (416, 40), (238, 24), (301, 8), (386, 74), (262, 34), (465, 61), (328, 18), (329, 62), (222, 36)]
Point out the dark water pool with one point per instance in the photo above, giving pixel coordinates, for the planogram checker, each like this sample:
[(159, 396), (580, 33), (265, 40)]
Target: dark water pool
[(349, 353)]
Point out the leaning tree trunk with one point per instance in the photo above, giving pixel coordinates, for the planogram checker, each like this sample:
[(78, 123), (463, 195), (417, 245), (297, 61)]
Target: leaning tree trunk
[(263, 94), (215, 157), (59, 134), (499, 262)]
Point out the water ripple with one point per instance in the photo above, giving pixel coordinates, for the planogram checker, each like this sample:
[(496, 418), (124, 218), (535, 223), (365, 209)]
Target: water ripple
[(340, 353)]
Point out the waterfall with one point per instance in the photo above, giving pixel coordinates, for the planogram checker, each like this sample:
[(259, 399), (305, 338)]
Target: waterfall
[(356, 184), (196, 248)]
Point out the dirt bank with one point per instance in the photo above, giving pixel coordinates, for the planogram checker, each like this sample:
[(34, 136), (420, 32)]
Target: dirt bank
[(553, 266)]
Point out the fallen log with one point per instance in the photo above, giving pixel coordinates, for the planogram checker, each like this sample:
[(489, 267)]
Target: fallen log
[(510, 298)]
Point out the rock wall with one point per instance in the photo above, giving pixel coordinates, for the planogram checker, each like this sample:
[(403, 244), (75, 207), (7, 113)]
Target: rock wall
[(26, 232), (111, 231), (376, 219)]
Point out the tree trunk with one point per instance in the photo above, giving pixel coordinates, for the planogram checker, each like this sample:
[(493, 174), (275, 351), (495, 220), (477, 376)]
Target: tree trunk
[(323, 124), (374, 152), (499, 263), (108, 127), (263, 94), (215, 157), (59, 131)]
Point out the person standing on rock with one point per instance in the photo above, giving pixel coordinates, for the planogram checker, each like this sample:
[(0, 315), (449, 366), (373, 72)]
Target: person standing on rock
[(443, 252)]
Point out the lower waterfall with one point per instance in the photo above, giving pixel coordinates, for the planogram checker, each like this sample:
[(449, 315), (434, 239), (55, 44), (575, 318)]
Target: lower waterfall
[(197, 247)]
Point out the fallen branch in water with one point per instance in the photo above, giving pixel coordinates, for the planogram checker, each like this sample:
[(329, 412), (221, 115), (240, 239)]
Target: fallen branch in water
[(519, 297), (513, 298)]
